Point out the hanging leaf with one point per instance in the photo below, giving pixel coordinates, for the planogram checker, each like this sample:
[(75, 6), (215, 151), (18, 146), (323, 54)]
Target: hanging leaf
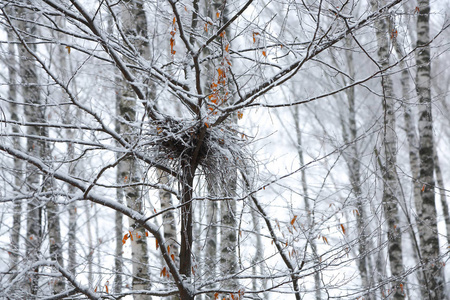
[(173, 257), (254, 36), (163, 272), (343, 228), (68, 49), (240, 115), (157, 244), (293, 220), (264, 53), (216, 296)]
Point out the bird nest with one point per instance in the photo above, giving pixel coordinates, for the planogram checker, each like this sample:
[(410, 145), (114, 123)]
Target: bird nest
[(218, 150)]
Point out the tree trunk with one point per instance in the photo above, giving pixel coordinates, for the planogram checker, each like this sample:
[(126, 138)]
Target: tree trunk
[(169, 222), (309, 212), (390, 180), (413, 147), (428, 229), (17, 204), (442, 196), (34, 112), (135, 28)]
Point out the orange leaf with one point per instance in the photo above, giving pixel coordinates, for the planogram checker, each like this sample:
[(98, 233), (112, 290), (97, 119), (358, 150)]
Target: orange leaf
[(217, 14), (193, 271), (227, 47), (423, 188), (264, 53), (146, 233), (168, 249), (325, 240), (173, 257), (131, 235), (68, 49), (240, 115), (343, 228), (206, 124), (95, 290), (293, 220), (107, 291), (174, 20), (157, 244), (163, 272), (216, 296)]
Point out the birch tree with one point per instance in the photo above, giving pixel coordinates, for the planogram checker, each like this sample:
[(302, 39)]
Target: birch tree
[(428, 231)]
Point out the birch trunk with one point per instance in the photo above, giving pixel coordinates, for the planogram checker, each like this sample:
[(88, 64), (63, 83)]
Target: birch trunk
[(390, 188), (428, 229), (90, 253), (169, 222), (34, 112), (442, 196), (17, 204), (309, 212), (413, 153), (128, 171)]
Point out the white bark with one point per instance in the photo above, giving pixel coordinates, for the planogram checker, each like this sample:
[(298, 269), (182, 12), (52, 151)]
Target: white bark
[(128, 170), (34, 112), (17, 204), (428, 230), (390, 180)]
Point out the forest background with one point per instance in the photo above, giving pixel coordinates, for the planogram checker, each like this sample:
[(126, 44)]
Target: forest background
[(232, 149)]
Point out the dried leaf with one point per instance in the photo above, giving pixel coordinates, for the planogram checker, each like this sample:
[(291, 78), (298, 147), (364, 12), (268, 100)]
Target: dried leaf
[(293, 220), (173, 257), (68, 49), (343, 228), (264, 53), (131, 235), (163, 272), (157, 244), (216, 296)]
